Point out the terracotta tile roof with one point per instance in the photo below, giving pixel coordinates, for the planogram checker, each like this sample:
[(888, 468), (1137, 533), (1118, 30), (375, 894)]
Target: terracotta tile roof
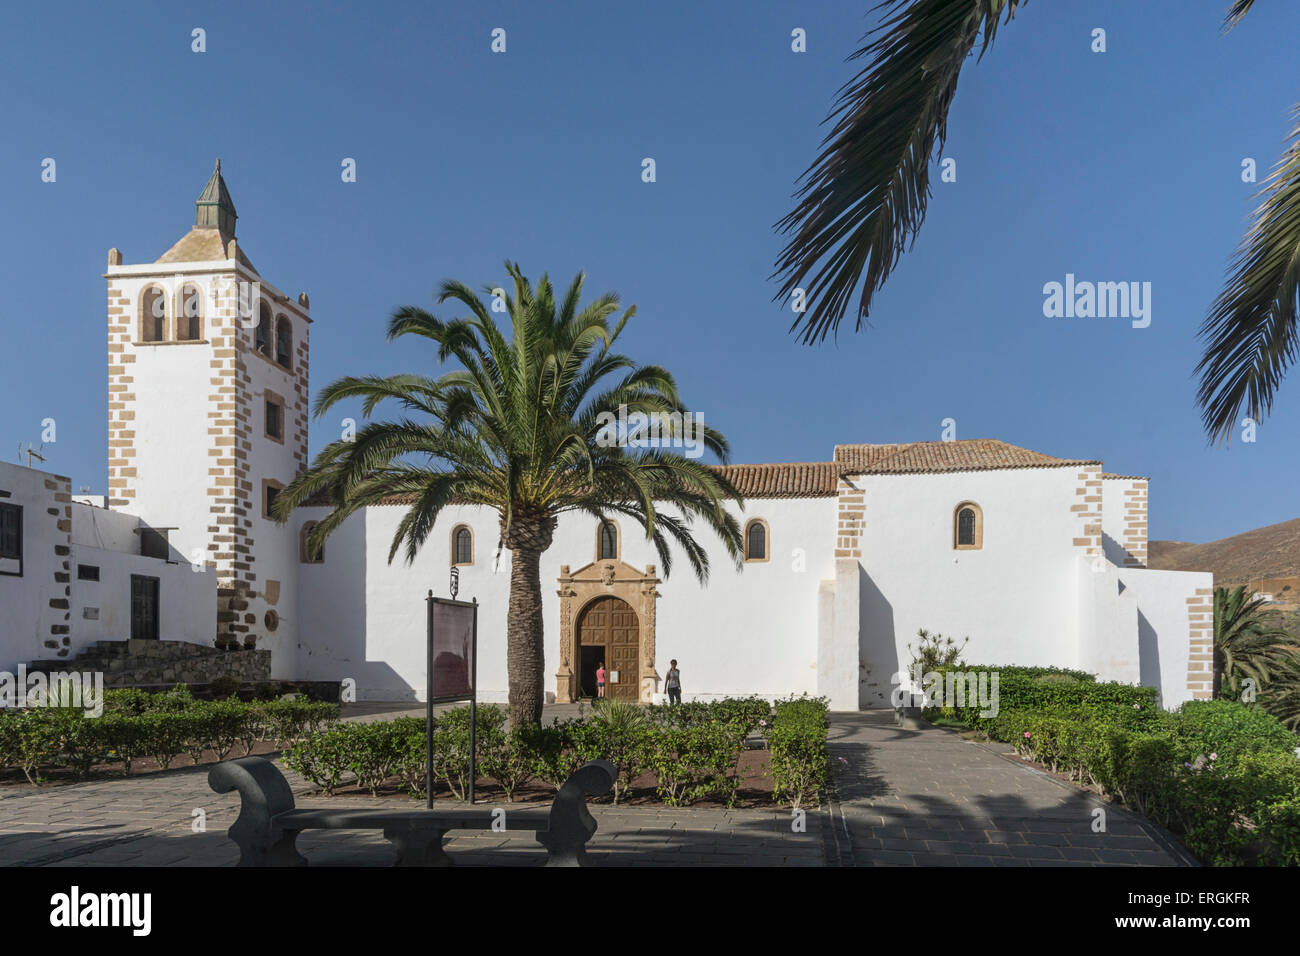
[(820, 479), (926, 457), (816, 479), (804, 479)]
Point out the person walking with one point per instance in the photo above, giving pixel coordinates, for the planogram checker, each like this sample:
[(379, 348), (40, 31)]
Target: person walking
[(673, 683), (600, 681)]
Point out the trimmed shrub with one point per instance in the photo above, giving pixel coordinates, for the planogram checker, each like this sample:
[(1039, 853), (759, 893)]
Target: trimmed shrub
[(1221, 773), (1229, 730), (797, 742), (516, 757), (693, 762), (322, 756)]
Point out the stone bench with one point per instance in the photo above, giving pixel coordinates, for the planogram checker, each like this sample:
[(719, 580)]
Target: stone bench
[(268, 824)]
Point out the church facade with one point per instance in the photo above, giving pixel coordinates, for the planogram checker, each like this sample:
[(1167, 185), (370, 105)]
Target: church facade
[(1037, 560)]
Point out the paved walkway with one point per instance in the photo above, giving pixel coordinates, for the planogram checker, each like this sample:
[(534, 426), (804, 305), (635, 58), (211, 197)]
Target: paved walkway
[(901, 797), (930, 798), (149, 821)]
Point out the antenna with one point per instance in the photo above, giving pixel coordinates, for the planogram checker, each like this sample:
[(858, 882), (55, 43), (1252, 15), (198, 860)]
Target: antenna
[(30, 453)]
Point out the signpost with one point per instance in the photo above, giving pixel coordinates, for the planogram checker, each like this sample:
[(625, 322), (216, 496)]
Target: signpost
[(451, 674)]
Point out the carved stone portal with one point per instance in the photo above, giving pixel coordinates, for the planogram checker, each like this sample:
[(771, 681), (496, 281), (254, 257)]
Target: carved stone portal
[(606, 579)]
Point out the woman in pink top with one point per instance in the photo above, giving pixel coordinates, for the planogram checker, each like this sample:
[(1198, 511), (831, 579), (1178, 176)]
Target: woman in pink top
[(600, 681)]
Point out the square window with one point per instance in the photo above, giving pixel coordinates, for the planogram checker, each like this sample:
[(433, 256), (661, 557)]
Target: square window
[(87, 572)]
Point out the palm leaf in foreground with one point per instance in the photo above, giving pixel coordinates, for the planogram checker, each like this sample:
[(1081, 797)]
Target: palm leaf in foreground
[(1251, 334), (862, 201)]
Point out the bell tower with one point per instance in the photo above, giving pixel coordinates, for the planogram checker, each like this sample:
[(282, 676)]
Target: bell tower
[(207, 417)]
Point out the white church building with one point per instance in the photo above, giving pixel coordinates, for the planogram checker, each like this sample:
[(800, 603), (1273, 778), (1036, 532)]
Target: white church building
[(1037, 560)]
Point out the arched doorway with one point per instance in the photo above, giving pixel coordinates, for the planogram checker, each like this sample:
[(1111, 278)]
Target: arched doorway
[(608, 632)]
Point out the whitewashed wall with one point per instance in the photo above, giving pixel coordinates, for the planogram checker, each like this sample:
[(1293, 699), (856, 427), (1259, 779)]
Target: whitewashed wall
[(1108, 624), (26, 617), (1015, 597), (171, 382), (187, 598), (1163, 627), (749, 631), (108, 530)]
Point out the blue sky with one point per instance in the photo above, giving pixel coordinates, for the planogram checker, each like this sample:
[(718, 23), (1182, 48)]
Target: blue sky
[(1121, 166)]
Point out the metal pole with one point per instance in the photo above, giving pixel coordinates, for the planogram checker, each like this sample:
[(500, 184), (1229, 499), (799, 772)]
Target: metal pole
[(473, 704), (428, 708)]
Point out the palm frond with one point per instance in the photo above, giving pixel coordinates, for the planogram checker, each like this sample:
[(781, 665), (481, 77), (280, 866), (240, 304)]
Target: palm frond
[(864, 198), (1252, 333), (1235, 13)]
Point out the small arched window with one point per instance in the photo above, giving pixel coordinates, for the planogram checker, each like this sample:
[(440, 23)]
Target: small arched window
[(262, 339), (462, 545), (284, 342), (189, 314), (153, 315), (756, 540), (607, 541), (968, 527), (306, 554)]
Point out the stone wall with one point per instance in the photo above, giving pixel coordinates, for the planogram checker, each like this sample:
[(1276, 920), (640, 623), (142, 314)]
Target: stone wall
[(163, 663)]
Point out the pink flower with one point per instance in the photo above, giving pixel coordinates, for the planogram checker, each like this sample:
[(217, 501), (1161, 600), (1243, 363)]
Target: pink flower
[(1214, 756), (1026, 735)]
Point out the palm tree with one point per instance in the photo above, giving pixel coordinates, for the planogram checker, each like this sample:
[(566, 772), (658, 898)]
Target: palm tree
[(1246, 643), (520, 426), (862, 201)]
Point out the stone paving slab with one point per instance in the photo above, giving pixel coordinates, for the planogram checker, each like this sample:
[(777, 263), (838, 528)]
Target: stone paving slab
[(147, 821), (930, 798)]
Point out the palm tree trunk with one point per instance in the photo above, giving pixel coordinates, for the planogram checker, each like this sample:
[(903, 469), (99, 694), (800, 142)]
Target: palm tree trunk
[(527, 539), (525, 649)]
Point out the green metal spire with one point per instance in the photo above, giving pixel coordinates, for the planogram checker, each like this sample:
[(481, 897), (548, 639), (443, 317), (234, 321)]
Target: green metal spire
[(215, 209)]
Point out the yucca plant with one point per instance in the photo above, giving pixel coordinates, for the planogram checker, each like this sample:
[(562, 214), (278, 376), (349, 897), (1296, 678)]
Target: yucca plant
[(621, 729), (519, 424)]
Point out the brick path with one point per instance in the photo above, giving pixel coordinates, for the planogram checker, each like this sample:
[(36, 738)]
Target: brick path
[(929, 798), (903, 797)]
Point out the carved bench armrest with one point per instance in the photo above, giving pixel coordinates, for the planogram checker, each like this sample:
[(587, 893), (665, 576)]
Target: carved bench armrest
[(263, 793), (571, 824)]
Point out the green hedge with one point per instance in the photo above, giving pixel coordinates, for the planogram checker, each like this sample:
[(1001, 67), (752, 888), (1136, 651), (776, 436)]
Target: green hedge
[(1022, 688), (1222, 774), (136, 724), (797, 740), (692, 750)]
